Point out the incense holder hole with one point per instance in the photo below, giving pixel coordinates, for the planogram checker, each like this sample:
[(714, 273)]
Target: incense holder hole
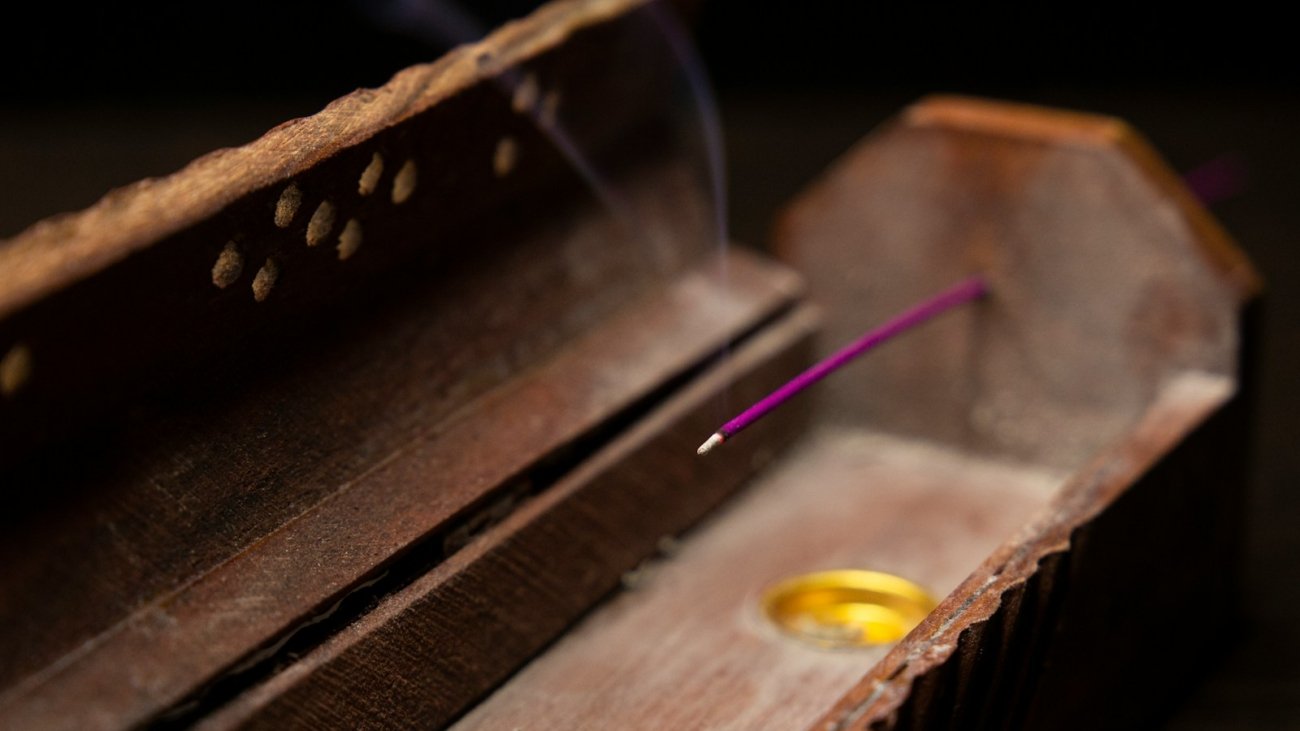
[(404, 182), (350, 239), (265, 280), (369, 180), (321, 223), (503, 160), (15, 369), (846, 608), (550, 108), (228, 267), (287, 207), (525, 96)]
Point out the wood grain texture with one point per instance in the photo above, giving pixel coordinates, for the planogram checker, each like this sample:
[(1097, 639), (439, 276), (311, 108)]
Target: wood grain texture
[(687, 647), (1110, 349), (423, 655), (256, 585), (65, 249), (1107, 279), (132, 293), (339, 396), (1086, 618), (273, 384)]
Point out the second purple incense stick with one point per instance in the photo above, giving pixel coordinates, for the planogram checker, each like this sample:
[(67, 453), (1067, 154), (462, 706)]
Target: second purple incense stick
[(963, 292)]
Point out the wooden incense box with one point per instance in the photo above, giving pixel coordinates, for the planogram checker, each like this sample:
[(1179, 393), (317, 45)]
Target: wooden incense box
[(388, 420)]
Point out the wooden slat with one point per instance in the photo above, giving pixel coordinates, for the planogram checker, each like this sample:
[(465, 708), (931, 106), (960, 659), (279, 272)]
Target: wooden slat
[(57, 252), (178, 637), (163, 280), (228, 452), (1109, 345), (1054, 628), (1106, 277), (687, 648), (425, 654)]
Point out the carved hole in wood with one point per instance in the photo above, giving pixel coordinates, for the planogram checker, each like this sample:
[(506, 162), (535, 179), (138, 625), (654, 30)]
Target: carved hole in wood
[(349, 239), (550, 108), (287, 207), (321, 223), (228, 267), (525, 96), (503, 160), (370, 176), (15, 369), (404, 182), (265, 280)]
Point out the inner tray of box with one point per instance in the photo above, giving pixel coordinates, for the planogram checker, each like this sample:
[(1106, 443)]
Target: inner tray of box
[(687, 645)]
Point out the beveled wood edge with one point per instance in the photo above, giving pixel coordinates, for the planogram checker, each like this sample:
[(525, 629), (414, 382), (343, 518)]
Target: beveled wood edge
[(1181, 406), (673, 427), (60, 250), (1047, 126), (1079, 129), (93, 669)]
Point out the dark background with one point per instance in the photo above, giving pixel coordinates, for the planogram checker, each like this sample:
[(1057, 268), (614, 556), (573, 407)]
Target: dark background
[(95, 97)]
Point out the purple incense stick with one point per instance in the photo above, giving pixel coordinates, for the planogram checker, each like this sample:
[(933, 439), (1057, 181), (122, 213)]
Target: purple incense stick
[(1223, 177), (963, 292)]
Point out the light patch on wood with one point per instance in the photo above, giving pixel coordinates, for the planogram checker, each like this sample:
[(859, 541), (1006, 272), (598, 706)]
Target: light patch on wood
[(15, 369), (525, 96), (350, 239), (370, 176), (550, 108), (321, 223), (504, 160), (265, 280), (228, 267), (404, 182), (287, 207)]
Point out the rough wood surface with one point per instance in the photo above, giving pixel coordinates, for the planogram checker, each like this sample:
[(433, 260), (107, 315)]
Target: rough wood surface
[(65, 249), (1076, 622), (687, 648), (421, 657), (1107, 278), (210, 548), (1109, 349), (167, 276), (176, 596), (254, 396)]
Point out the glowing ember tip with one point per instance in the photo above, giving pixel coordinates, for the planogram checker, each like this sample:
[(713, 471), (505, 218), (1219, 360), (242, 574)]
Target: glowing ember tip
[(709, 444)]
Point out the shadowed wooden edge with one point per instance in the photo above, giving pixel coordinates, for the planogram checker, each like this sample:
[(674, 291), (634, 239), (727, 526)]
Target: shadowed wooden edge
[(467, 624), (1066, 128), (1033, 560), (66, 248), (879, 696)]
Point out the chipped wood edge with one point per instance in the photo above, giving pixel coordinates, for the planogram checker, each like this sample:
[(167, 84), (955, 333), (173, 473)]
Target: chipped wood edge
[(59, 251), (1186, 403), (1031, 123), (1048, 126)]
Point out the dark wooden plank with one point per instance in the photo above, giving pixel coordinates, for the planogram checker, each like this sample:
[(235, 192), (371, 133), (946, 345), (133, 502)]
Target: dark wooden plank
[(687, 647), (175, 638), (1113, 333), (187, 478), (162, 277), (1036, 667), (426, 653), (281, 324), (1107, 279)]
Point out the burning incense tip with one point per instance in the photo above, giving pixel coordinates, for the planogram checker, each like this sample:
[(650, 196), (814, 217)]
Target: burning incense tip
[(963, 292), (709, 444)]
